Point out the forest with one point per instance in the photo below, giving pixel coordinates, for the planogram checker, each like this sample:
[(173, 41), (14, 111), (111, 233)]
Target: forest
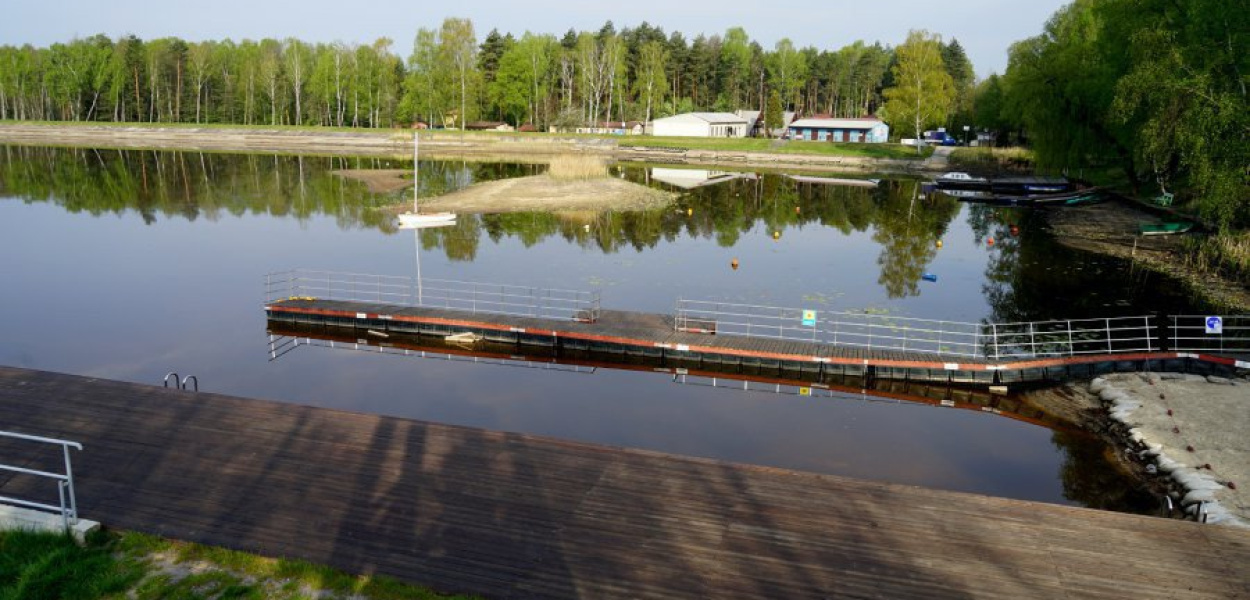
[(1154, 90), (578, 79)]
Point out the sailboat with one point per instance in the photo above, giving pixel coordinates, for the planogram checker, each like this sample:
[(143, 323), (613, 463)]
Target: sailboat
[(416, 219)]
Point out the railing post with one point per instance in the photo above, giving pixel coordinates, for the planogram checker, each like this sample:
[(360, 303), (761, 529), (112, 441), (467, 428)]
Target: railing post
[(69, 484), (1149, 343), (994, 333), (1108, 325), (1032, 341), (1071, 345)]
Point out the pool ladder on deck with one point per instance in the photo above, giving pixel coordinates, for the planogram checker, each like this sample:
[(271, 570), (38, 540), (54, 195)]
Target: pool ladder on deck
[(182, 385)]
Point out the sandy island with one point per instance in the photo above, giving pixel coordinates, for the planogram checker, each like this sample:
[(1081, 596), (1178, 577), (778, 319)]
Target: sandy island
[(538, 193)]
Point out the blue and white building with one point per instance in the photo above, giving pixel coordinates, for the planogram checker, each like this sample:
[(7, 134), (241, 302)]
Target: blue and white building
[(817, 129)]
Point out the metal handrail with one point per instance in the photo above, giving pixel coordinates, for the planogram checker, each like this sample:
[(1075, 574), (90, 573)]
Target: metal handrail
[(1189, 334), (68, 508), (990, 341), (475, 297)]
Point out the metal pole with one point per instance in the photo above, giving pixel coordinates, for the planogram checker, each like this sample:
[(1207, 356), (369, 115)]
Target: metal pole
[(1108, 324), (416, 236), (994, 332), (1032, 341), (1071, 349), (69, 483)]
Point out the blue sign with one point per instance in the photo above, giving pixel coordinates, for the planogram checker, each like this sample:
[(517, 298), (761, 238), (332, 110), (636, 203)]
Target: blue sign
[(1215, 326), (809, 318)]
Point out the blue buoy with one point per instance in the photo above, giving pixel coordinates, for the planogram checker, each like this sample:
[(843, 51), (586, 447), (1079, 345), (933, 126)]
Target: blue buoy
[(929, 277)]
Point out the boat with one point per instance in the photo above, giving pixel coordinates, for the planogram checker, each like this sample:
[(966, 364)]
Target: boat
[(957, 180), (1166, 228), (1075, 198), (417, 219), (1032, 185), (836, 181)]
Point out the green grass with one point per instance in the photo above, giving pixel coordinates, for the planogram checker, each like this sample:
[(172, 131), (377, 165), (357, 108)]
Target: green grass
[(991, 159), (143, 567), (895, 151)]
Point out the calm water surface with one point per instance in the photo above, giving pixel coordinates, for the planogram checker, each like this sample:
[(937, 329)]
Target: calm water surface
[(129, 265)]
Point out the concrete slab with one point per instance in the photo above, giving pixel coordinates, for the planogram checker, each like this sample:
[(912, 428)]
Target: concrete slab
[(13, 518)]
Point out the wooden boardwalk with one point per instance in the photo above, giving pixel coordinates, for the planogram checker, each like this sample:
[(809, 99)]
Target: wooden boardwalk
[(516, 516), (655, 333)]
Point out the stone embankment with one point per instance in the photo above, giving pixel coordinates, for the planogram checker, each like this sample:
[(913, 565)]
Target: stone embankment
[(1193, 430), (398, 144)]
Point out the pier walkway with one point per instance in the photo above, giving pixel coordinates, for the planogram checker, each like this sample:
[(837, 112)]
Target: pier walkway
[(517, 516)]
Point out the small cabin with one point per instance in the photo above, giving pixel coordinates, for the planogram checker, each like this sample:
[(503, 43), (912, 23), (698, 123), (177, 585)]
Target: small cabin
[(862, 131), (488, 126)]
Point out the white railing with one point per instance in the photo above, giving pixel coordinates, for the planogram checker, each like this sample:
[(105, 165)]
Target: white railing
[(1189, 333), (514, 300), (68, 507), (1073, 337), (281, 345), (989, 341)]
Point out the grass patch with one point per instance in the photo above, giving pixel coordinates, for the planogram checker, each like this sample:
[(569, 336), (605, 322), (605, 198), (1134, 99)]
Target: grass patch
[(1225, 253), (132, 565), (895, 151), (992, 159), (577, 167), (42, 565)]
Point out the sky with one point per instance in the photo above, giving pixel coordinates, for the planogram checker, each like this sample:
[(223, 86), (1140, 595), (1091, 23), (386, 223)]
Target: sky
[(985, 28)]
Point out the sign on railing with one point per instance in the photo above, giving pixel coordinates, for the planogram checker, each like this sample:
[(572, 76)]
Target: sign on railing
[(514, 300), (68, 507), (992, 341), (1215, 334)]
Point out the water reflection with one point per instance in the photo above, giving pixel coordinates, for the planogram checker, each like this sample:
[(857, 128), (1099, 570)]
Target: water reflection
[(196, 185)]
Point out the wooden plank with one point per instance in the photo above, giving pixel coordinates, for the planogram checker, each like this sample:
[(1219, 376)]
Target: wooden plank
[(510, 515)]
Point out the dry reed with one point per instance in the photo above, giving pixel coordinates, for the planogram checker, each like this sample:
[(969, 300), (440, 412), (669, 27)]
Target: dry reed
[(576, 167)]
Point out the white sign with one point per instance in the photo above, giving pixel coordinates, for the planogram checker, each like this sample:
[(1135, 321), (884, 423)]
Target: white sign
[(1215, 325)]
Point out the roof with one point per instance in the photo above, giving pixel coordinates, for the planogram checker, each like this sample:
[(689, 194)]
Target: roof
[(838, 123), (715, 118)]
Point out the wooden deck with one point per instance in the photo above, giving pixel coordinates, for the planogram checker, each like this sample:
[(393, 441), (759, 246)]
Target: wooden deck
[(516, 516)]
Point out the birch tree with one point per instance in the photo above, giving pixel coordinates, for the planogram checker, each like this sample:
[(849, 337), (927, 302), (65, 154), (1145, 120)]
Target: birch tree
[(923, 90)]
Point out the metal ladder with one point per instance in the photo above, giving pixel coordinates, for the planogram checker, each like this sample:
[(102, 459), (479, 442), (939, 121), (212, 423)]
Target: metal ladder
[(182, 385)]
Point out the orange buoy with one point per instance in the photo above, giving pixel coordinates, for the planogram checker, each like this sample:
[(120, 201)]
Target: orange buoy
[(939, 243), (734, 263), (1015, 230), (989, 241)]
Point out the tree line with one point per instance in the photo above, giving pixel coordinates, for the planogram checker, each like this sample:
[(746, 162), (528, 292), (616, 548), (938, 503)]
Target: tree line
[(580, 79), (1155, 89)]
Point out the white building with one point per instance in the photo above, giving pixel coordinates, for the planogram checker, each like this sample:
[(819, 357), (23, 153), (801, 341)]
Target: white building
[(701, 125)]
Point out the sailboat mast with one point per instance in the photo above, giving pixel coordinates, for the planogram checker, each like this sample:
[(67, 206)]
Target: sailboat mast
[(416, 179)]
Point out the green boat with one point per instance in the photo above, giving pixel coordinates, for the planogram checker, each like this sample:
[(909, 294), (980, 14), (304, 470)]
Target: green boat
[(1166, 228)]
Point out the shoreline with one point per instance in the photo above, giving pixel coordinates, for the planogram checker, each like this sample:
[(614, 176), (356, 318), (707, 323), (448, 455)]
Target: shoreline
[(397, 143)]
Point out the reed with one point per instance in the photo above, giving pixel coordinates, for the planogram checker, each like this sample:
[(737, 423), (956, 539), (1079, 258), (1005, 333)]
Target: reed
[(1227, 253), (576, 167)]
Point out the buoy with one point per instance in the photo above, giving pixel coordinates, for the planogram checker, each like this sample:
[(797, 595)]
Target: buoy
[(989, 242), (939, 243), (776, 235), (586, 227), (689, 212), (929, 277), (734, 263), (798, 209), (1015, 230)]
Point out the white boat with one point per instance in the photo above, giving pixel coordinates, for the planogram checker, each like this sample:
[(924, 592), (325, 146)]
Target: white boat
[(417, 219)]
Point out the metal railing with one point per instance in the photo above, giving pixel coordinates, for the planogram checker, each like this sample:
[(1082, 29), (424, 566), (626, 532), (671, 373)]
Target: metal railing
[(281, 345), (751, 320), (514, 300), (1189, 333), (68, 507), (1073, 337), (990, 341), (869, 331)]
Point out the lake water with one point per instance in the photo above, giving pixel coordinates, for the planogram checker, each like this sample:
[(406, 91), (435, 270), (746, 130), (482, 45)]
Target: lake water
[(132, 264)]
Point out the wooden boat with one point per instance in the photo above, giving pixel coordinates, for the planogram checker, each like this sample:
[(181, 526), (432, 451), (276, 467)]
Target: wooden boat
[(1166, 228)]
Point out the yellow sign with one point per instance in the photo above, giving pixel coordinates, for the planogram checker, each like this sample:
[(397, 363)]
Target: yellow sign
[(805, 391)]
